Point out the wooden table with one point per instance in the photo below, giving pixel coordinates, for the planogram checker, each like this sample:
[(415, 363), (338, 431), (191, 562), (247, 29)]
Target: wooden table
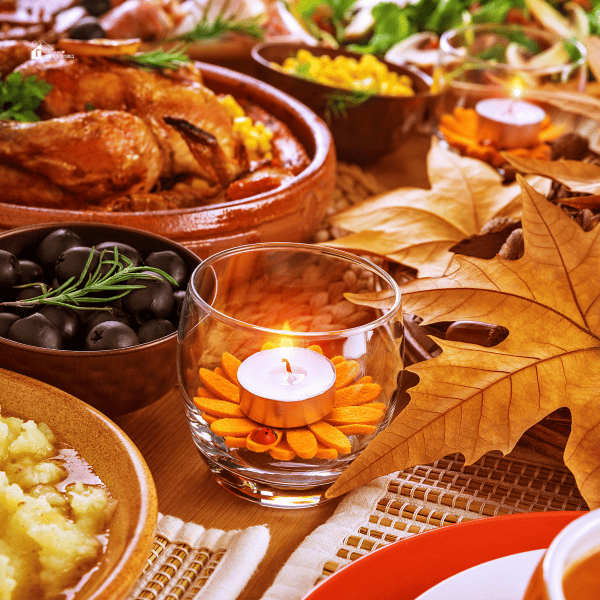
[(187, 489), (185, 486)]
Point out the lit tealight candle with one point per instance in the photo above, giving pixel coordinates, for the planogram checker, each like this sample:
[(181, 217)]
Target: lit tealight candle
[(509, 123), (286, 387)]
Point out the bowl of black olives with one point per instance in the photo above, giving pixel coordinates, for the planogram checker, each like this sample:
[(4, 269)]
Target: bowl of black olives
[(93, 309)]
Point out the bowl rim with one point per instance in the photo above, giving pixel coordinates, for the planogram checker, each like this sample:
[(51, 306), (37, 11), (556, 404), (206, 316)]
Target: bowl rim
[(453, 52), (321, 135), (138, 546), (91, 224), (426, 79), (305, 248)]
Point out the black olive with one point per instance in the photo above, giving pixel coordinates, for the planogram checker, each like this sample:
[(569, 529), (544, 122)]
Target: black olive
[(87, 28), (55, 243), (96, 7), (179, 296), (10, 269), (30, 272), (26, 294), (36, 330), (101, 316), (6, 320), (72, 262), (110, 335), (131, 253), (65, 319), (153, 301), (154, 330), (170, 262)]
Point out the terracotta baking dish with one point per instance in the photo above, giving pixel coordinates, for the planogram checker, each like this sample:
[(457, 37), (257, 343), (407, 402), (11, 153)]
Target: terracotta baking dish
[(289, 213)]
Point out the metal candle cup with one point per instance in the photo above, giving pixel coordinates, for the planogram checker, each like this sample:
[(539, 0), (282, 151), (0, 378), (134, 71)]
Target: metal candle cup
[(509, 123), (286, 387)]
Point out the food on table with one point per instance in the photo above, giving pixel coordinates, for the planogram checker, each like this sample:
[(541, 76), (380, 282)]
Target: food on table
[(368, 74), (115, 136), (582, 579), (144, 310), (409, 31), (55, 511)]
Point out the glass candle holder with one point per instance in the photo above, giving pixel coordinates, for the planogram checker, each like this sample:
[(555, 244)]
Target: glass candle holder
[(491, 79), (289, 365)]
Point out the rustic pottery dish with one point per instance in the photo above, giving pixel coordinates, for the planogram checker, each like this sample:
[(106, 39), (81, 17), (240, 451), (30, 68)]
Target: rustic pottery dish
[(114, 459), (364, 132), (113, 381), (291, 212)]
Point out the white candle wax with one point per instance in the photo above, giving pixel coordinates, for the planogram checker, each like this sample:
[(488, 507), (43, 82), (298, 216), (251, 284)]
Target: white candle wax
[(290, 393), (265, 374), (509, 123)]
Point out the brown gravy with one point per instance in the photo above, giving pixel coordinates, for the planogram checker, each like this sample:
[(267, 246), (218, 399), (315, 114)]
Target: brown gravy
[(582, 579)]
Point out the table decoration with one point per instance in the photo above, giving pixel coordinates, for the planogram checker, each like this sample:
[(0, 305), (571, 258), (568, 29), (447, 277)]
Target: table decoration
[(417, 227), (284, 381), (501, 65), (514, 384), (189, 561), (424, 499)]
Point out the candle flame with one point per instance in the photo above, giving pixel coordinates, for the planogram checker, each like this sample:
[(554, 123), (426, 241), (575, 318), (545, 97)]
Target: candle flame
[(517, 87), (286, 343)]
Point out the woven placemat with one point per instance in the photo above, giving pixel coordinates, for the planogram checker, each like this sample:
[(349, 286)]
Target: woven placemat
[(420, 499), (189, 562)]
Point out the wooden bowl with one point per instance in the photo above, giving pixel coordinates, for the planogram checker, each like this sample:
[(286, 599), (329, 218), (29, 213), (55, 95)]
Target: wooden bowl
[(361, 133), (290, 213), (115, 459), (113, 381)]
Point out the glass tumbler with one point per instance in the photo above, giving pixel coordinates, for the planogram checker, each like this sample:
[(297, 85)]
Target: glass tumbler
[(496, 85), (290, 358)]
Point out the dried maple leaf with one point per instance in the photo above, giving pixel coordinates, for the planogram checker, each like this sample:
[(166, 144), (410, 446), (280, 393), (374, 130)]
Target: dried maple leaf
[(416, 227), (578, 176), (472, 399)]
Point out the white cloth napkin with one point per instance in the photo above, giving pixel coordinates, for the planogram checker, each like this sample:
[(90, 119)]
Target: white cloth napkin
[(189, 562)]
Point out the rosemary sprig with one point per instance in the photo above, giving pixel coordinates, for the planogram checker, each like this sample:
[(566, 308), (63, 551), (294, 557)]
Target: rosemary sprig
[(159, 58), (76, 293), (337, 103), (208, 30)]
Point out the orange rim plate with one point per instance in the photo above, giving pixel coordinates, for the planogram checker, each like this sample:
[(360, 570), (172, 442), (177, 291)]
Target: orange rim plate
[(407, 568)]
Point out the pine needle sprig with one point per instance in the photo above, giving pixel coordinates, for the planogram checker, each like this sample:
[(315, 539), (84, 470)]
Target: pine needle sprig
[(77, 293)]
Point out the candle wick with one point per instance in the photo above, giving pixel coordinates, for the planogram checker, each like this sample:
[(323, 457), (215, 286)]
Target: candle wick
[(287, 365)]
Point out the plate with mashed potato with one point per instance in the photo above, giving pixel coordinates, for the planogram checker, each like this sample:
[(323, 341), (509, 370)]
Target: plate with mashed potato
[(78, 506)]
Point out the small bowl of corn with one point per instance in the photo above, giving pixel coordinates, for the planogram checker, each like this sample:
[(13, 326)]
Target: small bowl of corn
[(371, 106)]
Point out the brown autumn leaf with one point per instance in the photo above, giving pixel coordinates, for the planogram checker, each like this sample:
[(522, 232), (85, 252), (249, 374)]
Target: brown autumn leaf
[(578, 176), (572, 102), (416, 227), (472, 399)]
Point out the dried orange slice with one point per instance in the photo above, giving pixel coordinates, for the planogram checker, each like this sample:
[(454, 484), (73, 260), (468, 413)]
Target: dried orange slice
[(101, 47)]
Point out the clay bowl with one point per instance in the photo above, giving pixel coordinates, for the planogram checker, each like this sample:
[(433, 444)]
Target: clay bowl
[(113, 381), (291, 212), (115, 459), (361, 133)]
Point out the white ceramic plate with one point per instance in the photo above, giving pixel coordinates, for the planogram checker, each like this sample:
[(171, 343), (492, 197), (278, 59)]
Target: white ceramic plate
[(505, 578)]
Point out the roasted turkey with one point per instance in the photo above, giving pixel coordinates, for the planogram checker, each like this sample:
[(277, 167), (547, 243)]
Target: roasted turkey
[(118, 137)]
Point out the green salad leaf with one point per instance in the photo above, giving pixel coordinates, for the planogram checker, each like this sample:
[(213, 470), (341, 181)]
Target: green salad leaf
[(20, 97)]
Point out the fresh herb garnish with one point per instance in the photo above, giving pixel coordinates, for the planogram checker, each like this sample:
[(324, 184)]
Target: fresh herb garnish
[(302, 70), (206, 29), (19, 97), (159, 58), (337, 103), (77, 293)]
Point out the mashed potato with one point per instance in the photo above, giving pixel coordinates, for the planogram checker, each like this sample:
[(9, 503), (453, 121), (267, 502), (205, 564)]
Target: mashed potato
[(49, 536)]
